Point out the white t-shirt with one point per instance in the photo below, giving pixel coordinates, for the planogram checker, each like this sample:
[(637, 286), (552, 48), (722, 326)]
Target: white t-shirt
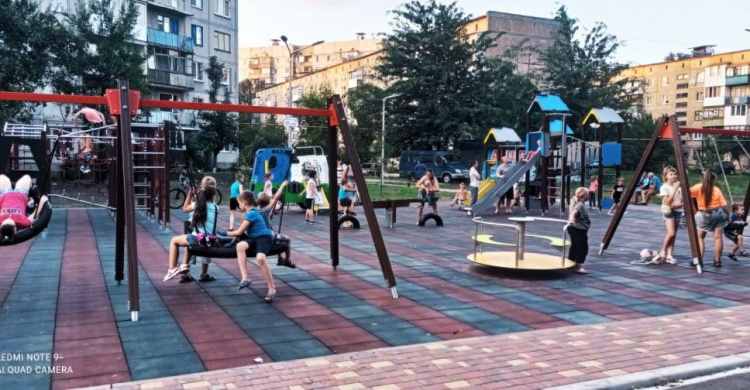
[(474, 177), (311, 186), (268, 188), (666, 190)]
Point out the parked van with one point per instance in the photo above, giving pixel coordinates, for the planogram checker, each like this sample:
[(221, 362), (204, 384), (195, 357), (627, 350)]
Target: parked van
[(445, 165)]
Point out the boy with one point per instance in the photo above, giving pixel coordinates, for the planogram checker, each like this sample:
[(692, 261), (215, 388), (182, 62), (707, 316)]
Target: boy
[(13, 206), (311, 193), (734, 231), (235, 191), (617, 192), (267, 205)]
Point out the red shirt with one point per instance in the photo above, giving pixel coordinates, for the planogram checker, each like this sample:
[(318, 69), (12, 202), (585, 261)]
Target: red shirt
[(13, 206)]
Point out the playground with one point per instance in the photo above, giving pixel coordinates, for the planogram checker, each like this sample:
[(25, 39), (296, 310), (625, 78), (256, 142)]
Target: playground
[(83, 288)]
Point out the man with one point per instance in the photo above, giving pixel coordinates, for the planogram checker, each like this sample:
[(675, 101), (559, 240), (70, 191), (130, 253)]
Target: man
[(653, 187), (643, 185), (474, 179), (93, 118)]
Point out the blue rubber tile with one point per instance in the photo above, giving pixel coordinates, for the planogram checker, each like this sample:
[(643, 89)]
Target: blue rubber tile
[(382, 322), (25, 381), (683, 294), (582, 317), (445, 304), (590, 291), (500, 326), (154, 332), (271, 335), (27, 329), (28, 316), (144, 348), (550, 307), (27, 344), (310, 285), (494, 289), (654, 309), (404, 336), (359, 311), (521, 297), (619, 300), (718, 302), (298, 349), (250, 322), (472, 315), (340, 301), (326, 292), (161, 366)]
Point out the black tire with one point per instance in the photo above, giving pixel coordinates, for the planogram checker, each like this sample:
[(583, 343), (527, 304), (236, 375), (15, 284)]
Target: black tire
[(447, 178), (217, 198), (349, 218), (413, 177), (176, 198)]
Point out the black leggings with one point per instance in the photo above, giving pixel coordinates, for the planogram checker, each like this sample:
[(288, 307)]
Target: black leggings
[(592, 199), (579, 244)]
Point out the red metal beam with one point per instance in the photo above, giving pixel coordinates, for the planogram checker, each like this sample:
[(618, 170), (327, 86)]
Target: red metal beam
[(82, 99), (742, 133)]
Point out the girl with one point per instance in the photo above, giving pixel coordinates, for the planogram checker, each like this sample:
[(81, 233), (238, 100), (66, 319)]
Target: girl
[(202, 221), (234, 193), (311, 193), (268, 184), (593, 188), (617, 192), (460, 196), (189, 207), (253, 233), (671, 197), (735, 229), (427, 186), (712, 215), (578, 228)]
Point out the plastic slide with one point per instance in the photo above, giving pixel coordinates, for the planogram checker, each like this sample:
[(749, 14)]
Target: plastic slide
[(513, 175)]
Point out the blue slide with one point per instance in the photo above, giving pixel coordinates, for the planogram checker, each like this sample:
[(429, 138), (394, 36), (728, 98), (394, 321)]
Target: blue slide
[(487, 203)]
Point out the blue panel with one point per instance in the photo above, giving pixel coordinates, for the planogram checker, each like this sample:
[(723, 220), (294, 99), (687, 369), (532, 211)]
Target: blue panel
[(611, 154), (551, 103), (531, 143), (555, 126)]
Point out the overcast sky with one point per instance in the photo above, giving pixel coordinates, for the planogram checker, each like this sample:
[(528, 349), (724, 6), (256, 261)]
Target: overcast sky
[(649, 28)]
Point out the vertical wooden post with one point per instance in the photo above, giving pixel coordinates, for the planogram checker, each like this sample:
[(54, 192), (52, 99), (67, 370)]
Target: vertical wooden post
[(364, 193), (564, 184), (625, 199), (746, 202), (687, 199), (164, 196), (600, 169), (544, 182), (333, 189), (119, 205), (582, 171)]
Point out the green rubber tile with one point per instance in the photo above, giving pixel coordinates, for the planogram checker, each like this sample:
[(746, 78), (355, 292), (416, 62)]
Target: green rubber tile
[(27, 329), (26, 381), (298, 349), (382, 322), (161, 366), (27, 344), (250, 322), (340, 301), (157, 332), (719, 302), (549, 307), (271, 335), (359, 311), (472, 315), (144, 348), (404, 336), (445, 304), (582, 317), (654, 309), (326, 292), (499, 326), (28, 316)]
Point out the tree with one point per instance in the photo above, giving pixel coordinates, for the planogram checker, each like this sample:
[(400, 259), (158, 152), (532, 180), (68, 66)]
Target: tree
[(218, 128), (450, 89), (365, 105), (256, 135), (316, 129), (101, 49), (30, 41), (245, 92), (581, 73)]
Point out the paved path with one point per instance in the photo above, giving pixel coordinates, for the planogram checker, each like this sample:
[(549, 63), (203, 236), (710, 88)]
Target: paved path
[(529, 360)]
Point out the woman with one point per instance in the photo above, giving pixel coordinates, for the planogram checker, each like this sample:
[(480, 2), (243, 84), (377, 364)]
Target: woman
[(672, 210), (428, 186), (712, 215), (578, 229)]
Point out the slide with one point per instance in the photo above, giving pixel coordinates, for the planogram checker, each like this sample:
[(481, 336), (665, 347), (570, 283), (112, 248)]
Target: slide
[(484, 186), (486, 204)]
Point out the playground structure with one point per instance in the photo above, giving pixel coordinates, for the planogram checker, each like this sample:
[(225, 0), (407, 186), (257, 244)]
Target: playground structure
[(668, 129), (124, 103), (608, 154)]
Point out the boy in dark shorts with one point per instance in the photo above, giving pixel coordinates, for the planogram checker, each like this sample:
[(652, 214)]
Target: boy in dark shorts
[(235, 191), (617, 192), (734, 231)]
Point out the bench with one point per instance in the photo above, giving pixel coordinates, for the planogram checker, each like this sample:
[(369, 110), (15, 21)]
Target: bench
[(390, 206)]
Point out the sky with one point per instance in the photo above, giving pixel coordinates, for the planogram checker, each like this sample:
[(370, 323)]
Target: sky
[(649, 29)]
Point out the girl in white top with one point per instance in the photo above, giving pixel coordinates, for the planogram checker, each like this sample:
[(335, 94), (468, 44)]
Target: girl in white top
[(474, 179), (311, 193), (672, 210), (268, 185)]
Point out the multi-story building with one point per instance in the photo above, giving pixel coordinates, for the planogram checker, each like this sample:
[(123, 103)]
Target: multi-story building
[(702, 89), (341, 71)]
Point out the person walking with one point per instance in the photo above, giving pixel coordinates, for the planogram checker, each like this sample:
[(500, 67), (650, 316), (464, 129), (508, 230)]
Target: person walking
[(474, 179), (712, 215)]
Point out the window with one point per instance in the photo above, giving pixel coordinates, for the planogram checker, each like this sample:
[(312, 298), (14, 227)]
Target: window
[(681, 113), (222, 7), (683, 76), (739, 110), (681, 105), (167, 24), (197, 3), (649, 82), (197, 33), (226, 76), (699, 96), (664, 81), (223, 41), (198, 71), (665, 99), (698, 116), (701, 77), (197, 100), (682, 86), (713, 92), (683, 95), (648, 101)]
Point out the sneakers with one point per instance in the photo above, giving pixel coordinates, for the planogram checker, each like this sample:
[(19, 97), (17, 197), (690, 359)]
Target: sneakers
[(171, 274), (580, 270)]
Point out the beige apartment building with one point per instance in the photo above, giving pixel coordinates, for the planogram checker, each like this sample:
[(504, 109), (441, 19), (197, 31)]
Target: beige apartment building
[(346, 71)]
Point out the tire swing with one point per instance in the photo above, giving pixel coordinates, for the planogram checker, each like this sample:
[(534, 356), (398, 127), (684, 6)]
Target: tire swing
[(430, 216), (350, 219)]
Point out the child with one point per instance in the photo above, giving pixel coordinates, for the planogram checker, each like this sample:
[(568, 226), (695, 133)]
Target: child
[(428, 187), (266, 206), (460, 196), (268, 184), (617, 192), (593, 188), (253, 233), (734, 231), (311, 193), (189, 207), (235, 190), (578, 228), (345, 198), (203, 220), (13, 206)]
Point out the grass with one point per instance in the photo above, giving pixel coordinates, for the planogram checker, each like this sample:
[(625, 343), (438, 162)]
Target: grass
[(391, 191)]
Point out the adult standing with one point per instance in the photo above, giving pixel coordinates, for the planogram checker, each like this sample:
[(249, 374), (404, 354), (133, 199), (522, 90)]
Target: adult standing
[(507, 197), (672, 211), (428, 187), (474, 179), (712, 215)]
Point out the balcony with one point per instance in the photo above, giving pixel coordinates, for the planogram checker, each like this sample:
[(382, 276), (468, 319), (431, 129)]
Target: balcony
[(169, 40), (712, 122), (741, 100), (738, 80), (716, 101), (167, 79)]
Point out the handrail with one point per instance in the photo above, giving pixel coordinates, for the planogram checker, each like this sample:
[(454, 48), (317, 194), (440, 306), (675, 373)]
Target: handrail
[(565, 231), (479, 222)]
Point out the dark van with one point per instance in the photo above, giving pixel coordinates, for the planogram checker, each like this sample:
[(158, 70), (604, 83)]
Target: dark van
[(445, 165)]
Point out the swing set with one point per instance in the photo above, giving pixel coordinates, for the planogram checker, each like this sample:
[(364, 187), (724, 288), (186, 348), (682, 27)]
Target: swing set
[(668, 129), (124, 103)]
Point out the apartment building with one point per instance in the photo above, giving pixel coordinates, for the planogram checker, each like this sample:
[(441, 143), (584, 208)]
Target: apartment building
[(178, 37), (348, 71)]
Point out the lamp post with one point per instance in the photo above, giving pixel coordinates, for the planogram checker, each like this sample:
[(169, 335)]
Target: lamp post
[(291, 73), (382, 143)]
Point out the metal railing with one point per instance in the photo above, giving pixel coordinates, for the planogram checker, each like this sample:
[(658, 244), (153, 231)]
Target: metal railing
[(174, 41), (479, 228), (564, 233)]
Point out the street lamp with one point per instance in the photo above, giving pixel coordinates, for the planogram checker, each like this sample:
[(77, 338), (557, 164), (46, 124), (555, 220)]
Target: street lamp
[(382, 143), (291, 73)]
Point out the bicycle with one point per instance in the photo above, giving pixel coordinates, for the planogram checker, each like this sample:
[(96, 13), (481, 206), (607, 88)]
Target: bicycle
[(177, 195)]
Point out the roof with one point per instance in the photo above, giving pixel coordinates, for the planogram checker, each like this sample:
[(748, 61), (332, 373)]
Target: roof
[(603, 115), (503, 134), (548, 103), (555, 126)]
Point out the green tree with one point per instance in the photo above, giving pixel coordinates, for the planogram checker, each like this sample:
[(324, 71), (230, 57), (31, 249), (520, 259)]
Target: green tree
[(30, 42), (450, 89), (257, 135), (581, 72), (245, 92), (365, 105), (101, 49), (315, 132), (218, 128)]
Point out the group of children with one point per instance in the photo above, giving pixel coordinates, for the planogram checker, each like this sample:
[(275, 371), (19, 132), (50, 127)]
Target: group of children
[(255, 231)]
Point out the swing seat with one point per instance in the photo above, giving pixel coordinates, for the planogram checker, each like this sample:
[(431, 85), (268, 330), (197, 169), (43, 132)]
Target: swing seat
[(230, 252), (351, 219), (430, 216), (41, 222)]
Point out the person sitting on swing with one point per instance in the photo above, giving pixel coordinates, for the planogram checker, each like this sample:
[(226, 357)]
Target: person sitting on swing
[(13, 203)]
